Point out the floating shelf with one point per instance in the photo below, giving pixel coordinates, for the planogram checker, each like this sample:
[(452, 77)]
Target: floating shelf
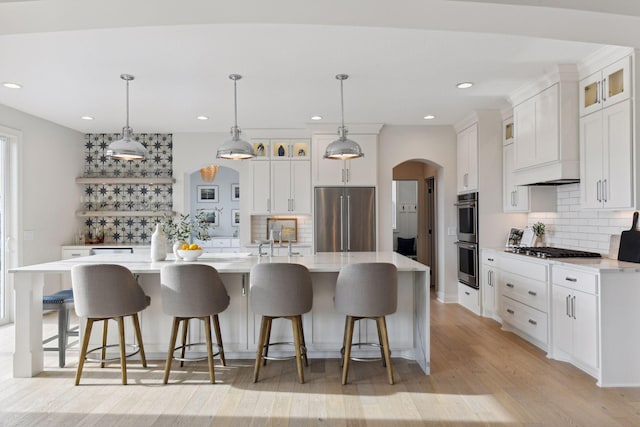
[(112, 180), (124, 213)]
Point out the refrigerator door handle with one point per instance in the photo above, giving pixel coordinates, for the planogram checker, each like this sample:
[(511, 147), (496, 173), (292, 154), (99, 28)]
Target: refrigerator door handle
[(348, 223), (341, 227)]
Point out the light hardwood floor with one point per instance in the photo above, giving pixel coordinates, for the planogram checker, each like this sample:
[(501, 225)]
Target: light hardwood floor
[(480, 376)]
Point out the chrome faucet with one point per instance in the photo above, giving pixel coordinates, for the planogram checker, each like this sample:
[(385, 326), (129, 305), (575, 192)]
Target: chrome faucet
[(260, 243), (290, 249)]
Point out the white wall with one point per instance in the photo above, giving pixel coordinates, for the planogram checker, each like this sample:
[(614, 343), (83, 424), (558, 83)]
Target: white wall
[(436, 144)]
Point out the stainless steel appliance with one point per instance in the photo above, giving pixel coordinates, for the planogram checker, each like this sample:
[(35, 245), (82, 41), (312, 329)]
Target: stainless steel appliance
[(551, 252), (345, 219), (468, 217), (468, 239)]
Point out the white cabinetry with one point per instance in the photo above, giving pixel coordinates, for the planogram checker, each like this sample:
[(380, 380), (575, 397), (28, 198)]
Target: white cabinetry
[(468, 159), (606, 87), (575, 317), (545, 129), (606, 150), (356, 172), (281, 180), (523, 290), (469, 298), (489, 283)]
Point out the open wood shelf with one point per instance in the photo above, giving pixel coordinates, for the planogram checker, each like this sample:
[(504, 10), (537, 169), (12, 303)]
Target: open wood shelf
[(112, 180), (124, 213)]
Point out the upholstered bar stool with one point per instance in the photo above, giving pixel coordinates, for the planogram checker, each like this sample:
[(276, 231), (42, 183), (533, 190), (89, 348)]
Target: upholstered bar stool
[(280, 291), (103, 292), (62, 302), (367, 291), (193, 291)]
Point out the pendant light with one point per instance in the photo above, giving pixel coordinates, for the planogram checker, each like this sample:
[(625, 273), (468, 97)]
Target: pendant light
[(343, 148), (127, 148), (235, 148), (208, 173)]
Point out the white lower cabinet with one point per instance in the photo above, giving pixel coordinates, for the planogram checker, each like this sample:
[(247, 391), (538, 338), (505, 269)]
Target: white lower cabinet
[(575, 318), (488, 285), (469, 298), (523, 293)]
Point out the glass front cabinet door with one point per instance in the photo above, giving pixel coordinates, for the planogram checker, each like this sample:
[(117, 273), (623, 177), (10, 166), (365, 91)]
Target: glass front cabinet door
[(606, 87)]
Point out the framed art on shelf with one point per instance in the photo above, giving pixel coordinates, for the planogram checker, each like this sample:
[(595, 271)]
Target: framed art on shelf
[(211, 216), (235, 217), (235, 192), (287, 227), (207, 193)]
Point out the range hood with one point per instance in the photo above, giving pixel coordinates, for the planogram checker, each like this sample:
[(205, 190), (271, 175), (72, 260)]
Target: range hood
[(556, 182), (553, 173)]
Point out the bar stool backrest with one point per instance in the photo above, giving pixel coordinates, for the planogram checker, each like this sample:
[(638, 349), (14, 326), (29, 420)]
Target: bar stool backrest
[(106, 290), (281, 289), (192, 290), (367, 289)]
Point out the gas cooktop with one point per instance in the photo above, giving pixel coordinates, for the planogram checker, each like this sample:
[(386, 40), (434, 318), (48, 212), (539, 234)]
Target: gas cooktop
[(550, 252)]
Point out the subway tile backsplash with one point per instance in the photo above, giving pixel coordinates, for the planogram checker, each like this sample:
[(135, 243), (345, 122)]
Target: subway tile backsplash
[(572, 227), (305, 228)]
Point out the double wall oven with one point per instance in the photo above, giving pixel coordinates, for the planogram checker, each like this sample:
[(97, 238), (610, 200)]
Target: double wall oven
[(467, 243)]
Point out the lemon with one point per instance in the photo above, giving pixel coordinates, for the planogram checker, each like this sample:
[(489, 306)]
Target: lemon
[(193, 247), (184, 246)]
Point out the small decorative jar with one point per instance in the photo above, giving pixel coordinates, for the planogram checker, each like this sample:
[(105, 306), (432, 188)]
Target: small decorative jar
[(158, 244)]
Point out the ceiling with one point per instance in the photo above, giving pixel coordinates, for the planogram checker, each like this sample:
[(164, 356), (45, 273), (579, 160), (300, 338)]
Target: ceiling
[(68, 56)]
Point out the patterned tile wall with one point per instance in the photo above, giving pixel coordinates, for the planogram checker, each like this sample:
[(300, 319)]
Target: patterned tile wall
[(126, 197)]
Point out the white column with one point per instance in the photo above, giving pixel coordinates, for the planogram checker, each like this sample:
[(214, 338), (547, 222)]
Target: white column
[(28, 358)]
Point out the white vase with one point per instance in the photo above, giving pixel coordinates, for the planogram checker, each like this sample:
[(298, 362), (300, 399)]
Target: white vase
[(158, 244), (177, 245)]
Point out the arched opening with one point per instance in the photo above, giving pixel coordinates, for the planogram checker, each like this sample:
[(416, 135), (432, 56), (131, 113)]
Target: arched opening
[(414, 206)]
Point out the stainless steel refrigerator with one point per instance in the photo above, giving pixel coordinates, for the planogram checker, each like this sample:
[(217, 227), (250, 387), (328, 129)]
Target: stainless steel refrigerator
[(345, 219)]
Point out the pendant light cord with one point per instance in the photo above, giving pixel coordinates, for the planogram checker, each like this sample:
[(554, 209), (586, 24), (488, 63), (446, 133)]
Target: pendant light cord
[(342, 102), (235, 103), (127, 104)]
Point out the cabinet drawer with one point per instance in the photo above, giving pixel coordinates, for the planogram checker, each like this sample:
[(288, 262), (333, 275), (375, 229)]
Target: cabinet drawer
[(220, 243), (533, 270), (75, 253), (525, 290), (489, 258), (527, 319), (469, 298), (574, 279)]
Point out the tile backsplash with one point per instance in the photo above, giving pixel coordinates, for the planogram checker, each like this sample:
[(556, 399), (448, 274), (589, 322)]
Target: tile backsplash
[(304, 223), (572, 227)]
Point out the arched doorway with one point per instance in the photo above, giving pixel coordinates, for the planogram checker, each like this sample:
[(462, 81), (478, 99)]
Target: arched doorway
[(414, 202)]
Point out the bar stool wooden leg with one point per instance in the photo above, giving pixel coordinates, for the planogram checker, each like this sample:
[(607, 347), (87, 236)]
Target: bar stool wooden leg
[(382, 327), (297, 342), (384, 361), (207, 333), (123, 350), (216, 327), (172, 346), (136, 326), (304, 344), (185, 328), (347, 348), (267, 341), (344, 340), (103, 352), (83, 350), (261, 341)]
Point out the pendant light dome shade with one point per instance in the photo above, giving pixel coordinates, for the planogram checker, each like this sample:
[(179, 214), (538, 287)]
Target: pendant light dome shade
[(235, 148), (343, 148), (127, 148)]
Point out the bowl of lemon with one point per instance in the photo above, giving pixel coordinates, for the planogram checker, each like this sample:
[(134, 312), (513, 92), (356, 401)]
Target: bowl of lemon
[(190, 252)]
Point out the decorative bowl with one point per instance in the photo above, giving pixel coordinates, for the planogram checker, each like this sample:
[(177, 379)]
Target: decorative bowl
[(189, 255)]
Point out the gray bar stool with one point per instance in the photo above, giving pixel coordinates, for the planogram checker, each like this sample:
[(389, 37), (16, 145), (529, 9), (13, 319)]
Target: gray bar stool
[(103, 292), (280, 291), (62, 302), (367, 291), (193, 291)]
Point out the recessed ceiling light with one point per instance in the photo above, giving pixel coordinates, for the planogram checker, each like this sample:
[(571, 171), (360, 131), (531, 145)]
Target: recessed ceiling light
[(429, 117), (202, 118), (12, 85), (86, 118), (464, 85), (316, 117)]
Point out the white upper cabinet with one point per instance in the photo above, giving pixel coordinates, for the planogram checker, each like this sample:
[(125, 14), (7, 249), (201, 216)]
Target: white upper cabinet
[(606, 87), (606, 150), (515, 197), (355, 172), (281, 177), (468, 159)]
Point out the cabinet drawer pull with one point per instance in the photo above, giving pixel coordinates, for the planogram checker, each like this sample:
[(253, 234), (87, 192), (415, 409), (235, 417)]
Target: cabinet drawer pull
[(510, 311), (533, 293), (510, 285), (467, 293), (490, 259), (570, 279), (533, 322)]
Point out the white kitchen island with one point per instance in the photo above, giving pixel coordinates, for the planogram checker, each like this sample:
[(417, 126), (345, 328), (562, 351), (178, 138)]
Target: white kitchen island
[(323, 326)]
